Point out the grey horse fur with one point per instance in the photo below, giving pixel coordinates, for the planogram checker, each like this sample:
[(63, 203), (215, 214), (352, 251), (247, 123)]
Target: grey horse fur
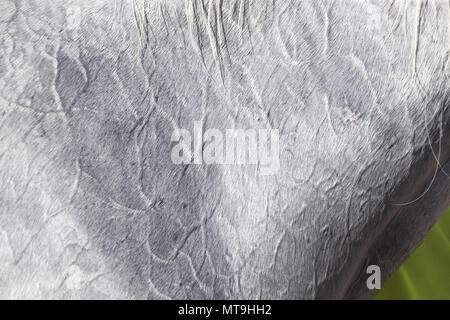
[(91, 205)]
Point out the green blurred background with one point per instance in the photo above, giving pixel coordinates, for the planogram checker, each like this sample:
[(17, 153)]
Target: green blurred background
[(426, 273)]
